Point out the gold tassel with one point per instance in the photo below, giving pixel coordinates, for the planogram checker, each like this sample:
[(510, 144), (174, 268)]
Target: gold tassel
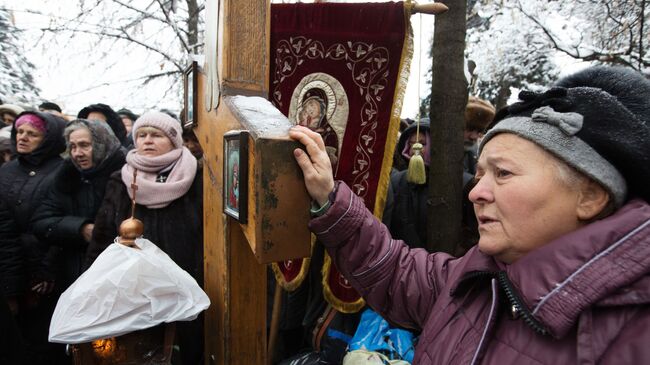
[(416, 173)]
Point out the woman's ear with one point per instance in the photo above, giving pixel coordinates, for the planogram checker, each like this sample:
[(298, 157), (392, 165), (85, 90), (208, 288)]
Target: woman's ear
[(592, 200)]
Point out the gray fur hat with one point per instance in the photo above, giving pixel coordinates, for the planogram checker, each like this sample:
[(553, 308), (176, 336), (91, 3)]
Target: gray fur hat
[(594, 126)]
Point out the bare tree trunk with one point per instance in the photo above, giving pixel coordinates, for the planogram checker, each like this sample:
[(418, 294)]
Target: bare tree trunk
[(503, 95), (448, 100), (193, 25), (641, 26)]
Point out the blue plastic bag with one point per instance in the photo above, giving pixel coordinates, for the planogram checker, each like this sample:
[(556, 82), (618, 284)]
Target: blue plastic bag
[(375, 334)]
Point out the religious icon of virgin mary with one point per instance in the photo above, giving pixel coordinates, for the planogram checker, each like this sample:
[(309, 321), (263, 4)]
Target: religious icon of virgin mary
[(312, 114), (319, 103)]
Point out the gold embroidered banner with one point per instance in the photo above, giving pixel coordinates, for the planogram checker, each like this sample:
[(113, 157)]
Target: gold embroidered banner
[(341, 70)]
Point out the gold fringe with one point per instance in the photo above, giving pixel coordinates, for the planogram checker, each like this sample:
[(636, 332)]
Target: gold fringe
[(338, 304), (295, 283), (304, 270), (396, 110)]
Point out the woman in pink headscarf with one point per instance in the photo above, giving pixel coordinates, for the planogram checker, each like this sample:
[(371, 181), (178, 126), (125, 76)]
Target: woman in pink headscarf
[(27, 275)]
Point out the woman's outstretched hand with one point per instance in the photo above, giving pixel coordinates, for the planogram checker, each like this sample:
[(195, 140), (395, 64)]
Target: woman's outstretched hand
[(315, 164)]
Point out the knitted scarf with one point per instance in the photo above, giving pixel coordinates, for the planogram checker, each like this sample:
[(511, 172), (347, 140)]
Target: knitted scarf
[(153, 194)]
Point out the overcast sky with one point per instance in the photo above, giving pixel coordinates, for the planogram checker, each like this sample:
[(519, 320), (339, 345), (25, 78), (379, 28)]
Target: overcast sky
[(75, 83)]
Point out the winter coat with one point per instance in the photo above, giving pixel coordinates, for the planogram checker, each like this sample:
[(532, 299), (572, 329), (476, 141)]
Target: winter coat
[(73, 201), (23, 184), (112, 118), (580, 299), (12, 256), (406, 210), (176, 229), (470, 158)]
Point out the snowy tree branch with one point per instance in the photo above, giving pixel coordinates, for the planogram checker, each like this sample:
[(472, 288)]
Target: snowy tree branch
[(173, 25), (124, 35)]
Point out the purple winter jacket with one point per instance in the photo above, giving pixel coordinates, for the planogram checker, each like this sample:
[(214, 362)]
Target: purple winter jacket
[(581, 299)]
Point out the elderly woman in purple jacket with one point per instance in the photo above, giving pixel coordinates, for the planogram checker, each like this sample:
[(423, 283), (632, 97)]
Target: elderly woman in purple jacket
[(561, 273)]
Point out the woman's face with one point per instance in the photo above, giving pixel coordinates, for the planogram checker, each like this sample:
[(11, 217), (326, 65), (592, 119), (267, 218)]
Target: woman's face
[(152, 142), (520, 201), (8, 118), (416, 138), (81, 148), (28, 138)]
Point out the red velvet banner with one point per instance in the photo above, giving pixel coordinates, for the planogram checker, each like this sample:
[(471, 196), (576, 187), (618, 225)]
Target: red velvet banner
[(341, 70)]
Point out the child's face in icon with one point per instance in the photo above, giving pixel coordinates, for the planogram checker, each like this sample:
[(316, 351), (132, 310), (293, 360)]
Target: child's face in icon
[(311, 114)]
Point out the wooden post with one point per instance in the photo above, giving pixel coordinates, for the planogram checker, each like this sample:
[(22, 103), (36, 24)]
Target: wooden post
[(235, 323), (235, 278)]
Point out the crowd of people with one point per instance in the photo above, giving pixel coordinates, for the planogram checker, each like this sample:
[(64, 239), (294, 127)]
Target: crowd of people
[(66, 187), (553, 266)]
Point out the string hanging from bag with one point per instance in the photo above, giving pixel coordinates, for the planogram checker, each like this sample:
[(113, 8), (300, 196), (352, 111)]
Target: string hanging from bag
[(416, 173)]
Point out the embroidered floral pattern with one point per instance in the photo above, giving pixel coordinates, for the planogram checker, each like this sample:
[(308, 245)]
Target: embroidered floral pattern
[(368, 66)]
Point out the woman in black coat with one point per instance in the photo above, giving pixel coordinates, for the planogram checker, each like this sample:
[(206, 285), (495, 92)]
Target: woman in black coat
[(67, 215), (169, 201), (37, 139), (11, 270)]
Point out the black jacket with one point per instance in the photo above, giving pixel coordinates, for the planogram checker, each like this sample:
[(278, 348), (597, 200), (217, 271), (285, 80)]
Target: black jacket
[(177, 229), (72, 201), (23, 184), (12, 256), (406, 210)]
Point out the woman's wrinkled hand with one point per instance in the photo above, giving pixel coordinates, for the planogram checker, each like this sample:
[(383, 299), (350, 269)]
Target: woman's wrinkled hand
[(315, 163)]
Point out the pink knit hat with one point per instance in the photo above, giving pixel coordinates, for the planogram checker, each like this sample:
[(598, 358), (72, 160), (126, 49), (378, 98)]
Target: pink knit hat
[(170, 126), (32, 119)]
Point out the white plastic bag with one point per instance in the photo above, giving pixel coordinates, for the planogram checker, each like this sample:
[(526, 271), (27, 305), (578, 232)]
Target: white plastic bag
[(364, 357), (125, 290)]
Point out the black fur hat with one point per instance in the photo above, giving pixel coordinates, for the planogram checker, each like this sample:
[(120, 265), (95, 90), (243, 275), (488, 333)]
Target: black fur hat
[(48, 105), (112, 118), (626, 85), (597, 121)]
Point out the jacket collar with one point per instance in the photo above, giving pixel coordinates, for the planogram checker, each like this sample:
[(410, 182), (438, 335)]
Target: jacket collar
[(606, 263), (594, 265)]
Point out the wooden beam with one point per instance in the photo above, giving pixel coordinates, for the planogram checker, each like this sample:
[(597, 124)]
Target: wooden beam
[(245, 43), (278, 202), (235, 323)]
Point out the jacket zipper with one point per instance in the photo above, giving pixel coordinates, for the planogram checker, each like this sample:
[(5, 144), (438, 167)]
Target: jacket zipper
[(518, 308)]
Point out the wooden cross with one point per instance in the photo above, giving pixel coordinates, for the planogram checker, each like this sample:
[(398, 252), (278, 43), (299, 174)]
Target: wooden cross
[(234, 254), (235, 274)]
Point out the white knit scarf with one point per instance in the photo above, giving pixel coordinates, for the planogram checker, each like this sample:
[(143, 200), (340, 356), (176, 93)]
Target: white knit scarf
[(153, 194)]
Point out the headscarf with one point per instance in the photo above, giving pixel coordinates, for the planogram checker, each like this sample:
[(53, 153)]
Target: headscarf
[(104, 141), (52, 145)]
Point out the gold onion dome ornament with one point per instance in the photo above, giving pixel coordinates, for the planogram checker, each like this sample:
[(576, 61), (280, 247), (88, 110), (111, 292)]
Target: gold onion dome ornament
[(131, 228)]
